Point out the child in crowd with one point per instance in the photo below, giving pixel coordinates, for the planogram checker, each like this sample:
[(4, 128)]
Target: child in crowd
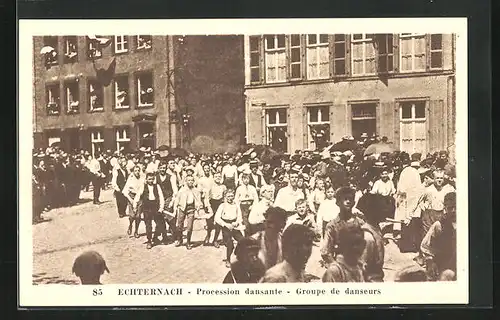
[(327, 211), (302, 216)]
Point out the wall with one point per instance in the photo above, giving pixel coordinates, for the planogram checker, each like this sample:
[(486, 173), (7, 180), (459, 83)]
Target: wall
[(339, 95), (155, 59), (210, 87)]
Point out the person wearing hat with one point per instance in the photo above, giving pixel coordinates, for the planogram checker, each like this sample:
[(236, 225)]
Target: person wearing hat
[(168, 186), (89, 267), (256, 178), (247, 268), (246, 195), (288, 195), (297, 249), (345, 200)]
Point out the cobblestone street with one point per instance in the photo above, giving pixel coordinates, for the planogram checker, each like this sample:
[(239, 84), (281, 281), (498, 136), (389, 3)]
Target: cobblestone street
[(70, 231)]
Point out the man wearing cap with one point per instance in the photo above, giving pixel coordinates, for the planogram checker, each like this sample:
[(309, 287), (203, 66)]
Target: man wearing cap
[(288, 195), (345, 201)]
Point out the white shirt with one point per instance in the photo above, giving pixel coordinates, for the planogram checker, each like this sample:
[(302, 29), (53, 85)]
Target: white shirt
[(383, 188), (94, 166), (152, 167), (257, 213), (327, 211), (287, 197), (246, 192), (230, 172)]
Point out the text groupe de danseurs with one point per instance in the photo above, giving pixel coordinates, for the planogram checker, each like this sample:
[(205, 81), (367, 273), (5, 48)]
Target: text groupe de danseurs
[(199, 291)]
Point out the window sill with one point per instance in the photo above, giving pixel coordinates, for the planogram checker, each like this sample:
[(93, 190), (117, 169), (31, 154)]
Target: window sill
[(145, 106), (100, 110), (121, 108), (119, 53), (53, 114), (138, 49), (391, 75)]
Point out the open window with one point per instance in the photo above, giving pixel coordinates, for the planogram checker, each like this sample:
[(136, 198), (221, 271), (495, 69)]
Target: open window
[(96, 96), (318, 121), (147, 134), (145, 91), (144, 41), (70, 49), (72, 97), (122, 139), (364, 119), (122, 94), (53, 99), (277, 129), (50, 50), (97, 141), (94, 46)]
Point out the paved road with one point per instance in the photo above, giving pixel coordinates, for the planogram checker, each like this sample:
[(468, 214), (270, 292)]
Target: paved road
[(70, 231)]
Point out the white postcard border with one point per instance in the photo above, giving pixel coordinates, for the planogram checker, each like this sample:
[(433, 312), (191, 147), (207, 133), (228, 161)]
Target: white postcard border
[(391, 293)]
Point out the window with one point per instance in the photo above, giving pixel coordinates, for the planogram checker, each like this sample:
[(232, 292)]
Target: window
[(50, 50), (295, 57), (144, 41), (436, 51), (70, 49), (363, 54), (147, 135), (276, 129), (122, 139), (72, 96), (97, 141), (385, 53), (364, 119), (94, 50), (121, 44), (318, 121), (96, 96), (317, 56), (145, 92), (53, 99), (413, 126), (254, 59), (121, 88), (339, 49), (54, 138), (275, 58), (412, 51)]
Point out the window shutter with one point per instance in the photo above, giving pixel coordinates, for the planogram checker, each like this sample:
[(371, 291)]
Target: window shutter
[(348, 55), (436, 119), (255, 124), (303, 63), (385, 117), (395, 43), (396, 123), (262, 69), (288, 58), (427, 51), (331, 45), (306, 128)]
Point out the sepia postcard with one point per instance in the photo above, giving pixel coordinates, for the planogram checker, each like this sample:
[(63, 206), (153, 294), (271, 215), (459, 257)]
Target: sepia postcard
[(256, 162)]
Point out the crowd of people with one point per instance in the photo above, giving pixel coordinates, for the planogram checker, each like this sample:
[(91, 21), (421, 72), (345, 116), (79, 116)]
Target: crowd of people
[(271, 208)]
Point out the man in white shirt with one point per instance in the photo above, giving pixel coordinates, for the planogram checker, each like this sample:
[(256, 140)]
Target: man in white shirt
[(97, 177), (246, 196), (288, 195), (256, 178), (118, 181)]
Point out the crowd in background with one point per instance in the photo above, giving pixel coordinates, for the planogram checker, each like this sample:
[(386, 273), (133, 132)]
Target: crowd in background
[(274, 206)]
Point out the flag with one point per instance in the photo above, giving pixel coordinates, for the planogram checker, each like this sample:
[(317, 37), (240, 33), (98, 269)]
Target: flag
[(104, 76)]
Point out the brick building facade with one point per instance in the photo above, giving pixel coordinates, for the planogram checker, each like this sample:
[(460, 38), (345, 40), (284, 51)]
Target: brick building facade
[(124, 92), (303, 91)]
